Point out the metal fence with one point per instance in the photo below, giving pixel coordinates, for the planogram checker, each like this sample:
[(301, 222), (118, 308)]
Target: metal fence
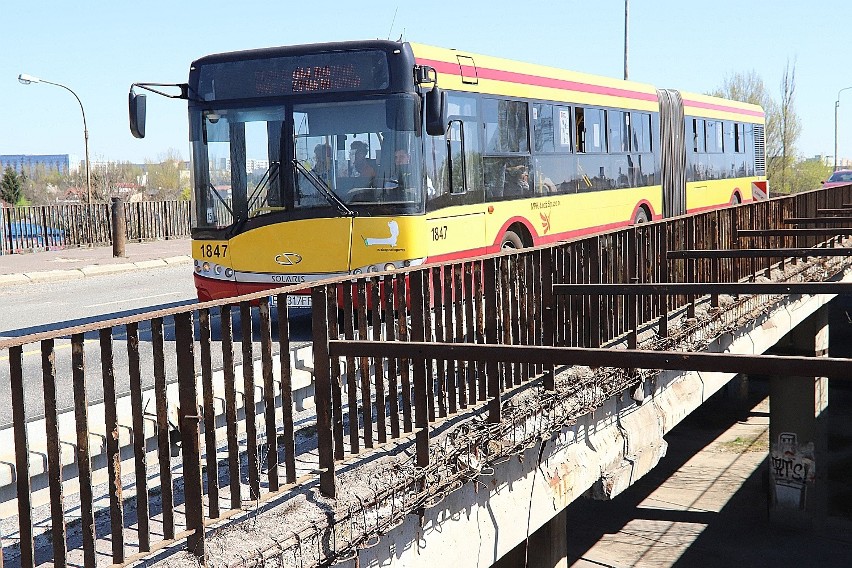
[(361, 401), (50, 227)]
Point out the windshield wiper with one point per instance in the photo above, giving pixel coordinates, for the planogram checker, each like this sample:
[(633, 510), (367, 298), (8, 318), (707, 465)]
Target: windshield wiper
[(269, 176), (212, 190), (321, 186)]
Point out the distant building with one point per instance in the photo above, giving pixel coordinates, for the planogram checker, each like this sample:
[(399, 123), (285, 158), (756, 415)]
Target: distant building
[(27, 163)]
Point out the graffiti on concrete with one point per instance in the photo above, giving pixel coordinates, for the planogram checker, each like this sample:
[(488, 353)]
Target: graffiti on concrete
[(792, 467)]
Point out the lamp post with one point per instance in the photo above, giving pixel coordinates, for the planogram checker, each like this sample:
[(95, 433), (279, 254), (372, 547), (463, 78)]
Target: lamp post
[(626, 34), (26, 80), (837, 106)]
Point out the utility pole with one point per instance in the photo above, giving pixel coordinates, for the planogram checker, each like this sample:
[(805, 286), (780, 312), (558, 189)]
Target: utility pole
[(626, 34)]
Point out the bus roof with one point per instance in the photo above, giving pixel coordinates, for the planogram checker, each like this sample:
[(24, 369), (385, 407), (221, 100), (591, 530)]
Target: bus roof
[(478, 73)]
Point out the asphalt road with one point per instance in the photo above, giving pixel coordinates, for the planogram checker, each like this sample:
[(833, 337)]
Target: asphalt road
[(35, 308)]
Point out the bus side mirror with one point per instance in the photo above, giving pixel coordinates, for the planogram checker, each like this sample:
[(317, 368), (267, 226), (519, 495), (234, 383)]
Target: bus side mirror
[(136, 105), (435, 117)]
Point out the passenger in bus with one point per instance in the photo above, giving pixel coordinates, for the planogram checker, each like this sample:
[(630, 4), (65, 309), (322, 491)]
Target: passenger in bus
[(517, 181), (360, 166), (402, 162), (322, 161)]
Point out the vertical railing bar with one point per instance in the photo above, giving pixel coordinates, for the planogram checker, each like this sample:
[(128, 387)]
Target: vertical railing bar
[(516, 283), (268, 394), (401, 299), (390, 335), (139, 453), (664, 277), (163, 440), (458, 304), (286, 389), (22, 456), (333, 294), (113, 448), (378, 363), (480, 328), (190, 437), (533, 317), (234, 475), (505, 264), (54, 456), (632, 323), (209, 412), (470, 322), (489, 285), (84, 462), (427, 334), (249, 403), (364, 367), (545, 257), (448, 338), (351, 382), (320, 296), (421, 416), (438, 296)]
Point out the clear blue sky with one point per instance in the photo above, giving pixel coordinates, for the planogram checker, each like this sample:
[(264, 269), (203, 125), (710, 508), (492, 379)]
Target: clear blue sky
[(98, 48)]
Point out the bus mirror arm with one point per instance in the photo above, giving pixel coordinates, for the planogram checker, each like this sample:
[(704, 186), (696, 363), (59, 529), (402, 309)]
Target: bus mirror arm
[(137, 103), (436, 118)]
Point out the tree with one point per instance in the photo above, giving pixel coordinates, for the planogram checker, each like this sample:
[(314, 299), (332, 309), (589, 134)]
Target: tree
[(791, 127), (782, 128), (164, 178), (11, 186), (108, 178), (808, 174)]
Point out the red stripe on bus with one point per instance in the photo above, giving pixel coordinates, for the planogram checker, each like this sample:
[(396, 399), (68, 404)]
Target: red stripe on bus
[(536, 81), (725, 108)]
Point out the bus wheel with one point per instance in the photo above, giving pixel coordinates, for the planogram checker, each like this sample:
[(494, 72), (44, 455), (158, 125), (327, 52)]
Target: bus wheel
[(511, 241), (735, 200), (641, 216)]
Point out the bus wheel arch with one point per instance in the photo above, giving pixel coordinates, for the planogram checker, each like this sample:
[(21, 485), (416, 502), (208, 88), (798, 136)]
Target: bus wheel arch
[(517, 236), (642, 214), (736, 198)]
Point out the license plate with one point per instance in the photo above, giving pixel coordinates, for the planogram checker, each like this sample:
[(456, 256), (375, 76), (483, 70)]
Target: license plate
[(293, 301)]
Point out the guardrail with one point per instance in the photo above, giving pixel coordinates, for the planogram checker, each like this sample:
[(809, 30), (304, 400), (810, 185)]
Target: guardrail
[(47, 227), (362, 400)]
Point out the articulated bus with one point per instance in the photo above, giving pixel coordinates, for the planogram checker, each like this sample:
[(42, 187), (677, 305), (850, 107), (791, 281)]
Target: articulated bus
[(356, 157)]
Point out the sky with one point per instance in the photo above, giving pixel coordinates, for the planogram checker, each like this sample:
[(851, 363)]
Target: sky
[(98, 48)]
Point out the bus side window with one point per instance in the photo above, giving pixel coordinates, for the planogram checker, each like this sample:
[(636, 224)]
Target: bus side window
[(457, 163)]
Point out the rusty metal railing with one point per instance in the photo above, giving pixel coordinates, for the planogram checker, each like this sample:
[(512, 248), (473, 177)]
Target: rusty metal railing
[(235, 424), (50, 227)]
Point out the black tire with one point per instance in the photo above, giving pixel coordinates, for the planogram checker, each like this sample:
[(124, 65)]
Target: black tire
[(511, 241), (641, 217), (735, 200)]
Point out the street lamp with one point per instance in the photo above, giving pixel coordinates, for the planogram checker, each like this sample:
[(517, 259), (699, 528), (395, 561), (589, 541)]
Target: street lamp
[(25, 79), (836, 106)]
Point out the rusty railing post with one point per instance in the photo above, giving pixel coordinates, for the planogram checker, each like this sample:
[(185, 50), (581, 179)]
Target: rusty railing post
[(547, 312), (189, 434), (119, 227), (322, 377), (421, 416), (492, 370)]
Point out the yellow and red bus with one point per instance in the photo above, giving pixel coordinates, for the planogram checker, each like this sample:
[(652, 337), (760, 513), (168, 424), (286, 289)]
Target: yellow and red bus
[(357, 157)]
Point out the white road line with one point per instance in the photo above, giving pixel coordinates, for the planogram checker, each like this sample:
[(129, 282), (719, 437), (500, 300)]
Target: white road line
[(127, 300)]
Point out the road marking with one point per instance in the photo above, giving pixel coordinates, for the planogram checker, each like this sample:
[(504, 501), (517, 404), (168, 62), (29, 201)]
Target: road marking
[(132, 300)]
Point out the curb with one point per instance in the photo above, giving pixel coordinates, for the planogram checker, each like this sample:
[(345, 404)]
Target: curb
[(89, 271)]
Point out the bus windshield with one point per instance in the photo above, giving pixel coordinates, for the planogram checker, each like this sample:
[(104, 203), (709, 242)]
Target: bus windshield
[(317, 159)]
